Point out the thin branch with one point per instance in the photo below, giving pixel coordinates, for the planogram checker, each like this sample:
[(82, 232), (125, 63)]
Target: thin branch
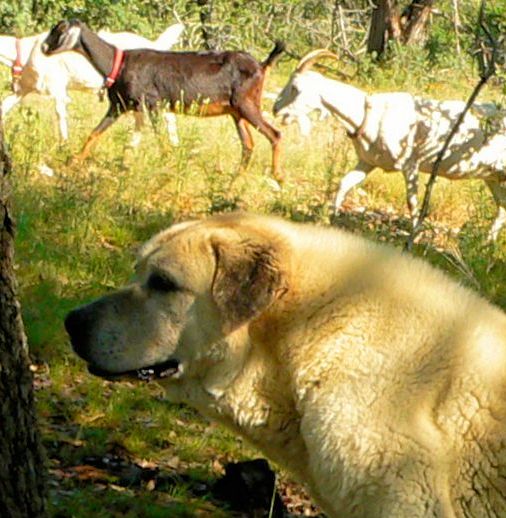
[(456, 24), (486, 60)]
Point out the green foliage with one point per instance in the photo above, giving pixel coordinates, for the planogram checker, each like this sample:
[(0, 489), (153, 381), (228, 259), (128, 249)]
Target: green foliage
[(303, 24), (16, 18)]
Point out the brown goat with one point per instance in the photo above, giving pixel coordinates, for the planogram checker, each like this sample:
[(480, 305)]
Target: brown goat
[(202, 83)]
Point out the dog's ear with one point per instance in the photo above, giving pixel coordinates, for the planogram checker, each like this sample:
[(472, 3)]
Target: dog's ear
[(247, 279)]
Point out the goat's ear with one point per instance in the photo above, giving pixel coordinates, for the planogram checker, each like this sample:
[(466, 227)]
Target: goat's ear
[(247, 279)]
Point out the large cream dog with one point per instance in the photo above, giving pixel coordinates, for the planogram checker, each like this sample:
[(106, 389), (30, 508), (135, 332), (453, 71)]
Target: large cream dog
[(371, 376)]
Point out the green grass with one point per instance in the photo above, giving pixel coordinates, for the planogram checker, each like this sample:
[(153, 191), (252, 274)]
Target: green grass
[(78, 230)]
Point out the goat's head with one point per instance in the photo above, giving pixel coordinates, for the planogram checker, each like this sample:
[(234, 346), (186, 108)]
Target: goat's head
[(65, 35), (301, 95)]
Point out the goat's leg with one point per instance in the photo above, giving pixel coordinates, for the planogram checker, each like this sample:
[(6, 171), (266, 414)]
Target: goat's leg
[(243, 129), (305, 124), (139, 122), (411, 178), (61, 110), (253, 115), (9, 102), (499, 193), (170, 121), (112, 114), (350, 180)]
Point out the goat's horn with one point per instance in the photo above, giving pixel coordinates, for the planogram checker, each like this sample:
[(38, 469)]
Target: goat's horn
[(312, 56)]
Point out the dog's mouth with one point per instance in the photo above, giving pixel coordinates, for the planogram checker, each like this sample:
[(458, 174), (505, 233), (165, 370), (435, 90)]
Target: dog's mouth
[(168, 369)]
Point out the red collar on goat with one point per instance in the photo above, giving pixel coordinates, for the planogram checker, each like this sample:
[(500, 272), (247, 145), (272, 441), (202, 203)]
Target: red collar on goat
[(119, 56), (17, 66)]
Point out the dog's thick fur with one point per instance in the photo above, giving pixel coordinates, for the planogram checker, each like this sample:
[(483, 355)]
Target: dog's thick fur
[(371, 376)]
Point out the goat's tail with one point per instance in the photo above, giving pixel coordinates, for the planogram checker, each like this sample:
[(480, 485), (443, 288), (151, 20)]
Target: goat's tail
[(169, 37), (278, 49)]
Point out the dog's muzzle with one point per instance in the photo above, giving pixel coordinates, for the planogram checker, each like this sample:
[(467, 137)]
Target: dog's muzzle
[(79, 326)]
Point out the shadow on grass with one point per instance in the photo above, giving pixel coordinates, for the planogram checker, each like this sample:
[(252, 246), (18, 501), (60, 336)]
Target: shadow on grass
[(116, 484)]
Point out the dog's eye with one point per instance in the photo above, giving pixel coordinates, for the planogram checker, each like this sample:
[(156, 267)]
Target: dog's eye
[(158, 282)]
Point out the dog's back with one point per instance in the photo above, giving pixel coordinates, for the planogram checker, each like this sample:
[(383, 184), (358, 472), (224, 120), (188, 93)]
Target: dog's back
[(400, 378)]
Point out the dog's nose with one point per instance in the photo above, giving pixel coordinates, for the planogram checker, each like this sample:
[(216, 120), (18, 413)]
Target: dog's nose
[(78, 327), (44, 48)]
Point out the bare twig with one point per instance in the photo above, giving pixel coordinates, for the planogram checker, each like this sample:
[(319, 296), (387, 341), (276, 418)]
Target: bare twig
[(456, 24)]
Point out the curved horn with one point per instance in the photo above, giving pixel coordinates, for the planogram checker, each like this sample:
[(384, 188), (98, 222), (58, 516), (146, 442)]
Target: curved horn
[(311, 57)]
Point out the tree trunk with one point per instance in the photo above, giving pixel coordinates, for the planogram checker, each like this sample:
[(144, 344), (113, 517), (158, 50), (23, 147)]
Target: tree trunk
[(385, 25), (205, 15), (415, 18), (410, 28), (22, 470)]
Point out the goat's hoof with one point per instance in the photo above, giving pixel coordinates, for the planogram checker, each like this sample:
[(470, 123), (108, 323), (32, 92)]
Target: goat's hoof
[(281, 180), (233, 180), (274, 184), (333, 217), (335, 214), (46, 170), (334, 211), (279, 176), (75, 161)]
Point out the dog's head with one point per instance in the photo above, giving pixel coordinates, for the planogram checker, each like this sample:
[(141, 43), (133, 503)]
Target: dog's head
[(198, 286)]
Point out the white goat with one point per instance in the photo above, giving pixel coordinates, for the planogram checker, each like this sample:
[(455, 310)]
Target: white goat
[(302, 119), (54, 75), (400, 132)]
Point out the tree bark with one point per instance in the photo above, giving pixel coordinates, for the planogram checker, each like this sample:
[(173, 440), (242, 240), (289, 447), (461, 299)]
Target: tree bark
[(22, 469), (205, 15), (415, 18), (385, 25)]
